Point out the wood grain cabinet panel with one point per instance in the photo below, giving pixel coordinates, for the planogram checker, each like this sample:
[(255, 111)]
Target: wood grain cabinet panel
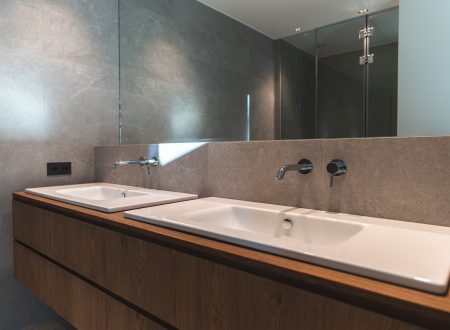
[(81, 304), (184, 290)]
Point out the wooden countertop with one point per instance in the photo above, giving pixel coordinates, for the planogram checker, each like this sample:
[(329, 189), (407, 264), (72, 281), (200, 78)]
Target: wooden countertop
[(400, 302)]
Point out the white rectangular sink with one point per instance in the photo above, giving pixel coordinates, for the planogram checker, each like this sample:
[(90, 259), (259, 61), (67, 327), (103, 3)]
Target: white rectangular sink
[(400, 252), (273, 223), (107, 197)]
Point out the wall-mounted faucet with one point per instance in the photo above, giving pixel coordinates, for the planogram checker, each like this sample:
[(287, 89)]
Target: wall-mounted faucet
[(304, 166), (141, 162), (336, 167)]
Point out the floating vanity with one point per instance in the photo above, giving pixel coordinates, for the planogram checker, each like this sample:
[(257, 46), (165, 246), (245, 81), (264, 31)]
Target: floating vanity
[(105, 271)]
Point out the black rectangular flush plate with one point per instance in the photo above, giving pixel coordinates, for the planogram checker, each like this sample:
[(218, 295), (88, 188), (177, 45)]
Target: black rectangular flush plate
[(59, 169)]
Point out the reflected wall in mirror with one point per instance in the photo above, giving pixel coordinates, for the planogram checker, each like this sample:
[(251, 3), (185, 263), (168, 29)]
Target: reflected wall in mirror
[(239, 71), (190, 73), (329, 90)]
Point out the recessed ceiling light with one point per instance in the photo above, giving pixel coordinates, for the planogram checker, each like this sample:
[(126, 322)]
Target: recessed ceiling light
[(363, 11), (297, 29)]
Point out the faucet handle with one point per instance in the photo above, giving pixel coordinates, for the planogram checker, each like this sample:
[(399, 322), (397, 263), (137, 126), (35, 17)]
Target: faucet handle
[(305, 166), (154, 162), (336, 167)]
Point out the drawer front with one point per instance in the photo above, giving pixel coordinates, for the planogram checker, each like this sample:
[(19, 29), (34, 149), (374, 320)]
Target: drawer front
[(81, 304), (183, 290)]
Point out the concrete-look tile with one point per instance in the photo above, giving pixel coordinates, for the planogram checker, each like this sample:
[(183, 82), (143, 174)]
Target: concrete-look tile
[(183, 168), (247, 171), (197, 16), (59, 86), (132, 175), (25, 166), (187, 172), (21, 26), (387, 177), (20, 97), (191, 69), (18, 307), (397, 178), (81, 31), (83, 98)]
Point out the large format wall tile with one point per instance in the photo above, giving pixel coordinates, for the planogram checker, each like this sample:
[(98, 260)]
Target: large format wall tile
[(58, 99), (183, 169), (247, 171), (191, 69), (397, 178)]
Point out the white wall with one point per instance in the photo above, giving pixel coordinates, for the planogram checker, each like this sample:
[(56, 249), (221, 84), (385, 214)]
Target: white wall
[(424, 68)]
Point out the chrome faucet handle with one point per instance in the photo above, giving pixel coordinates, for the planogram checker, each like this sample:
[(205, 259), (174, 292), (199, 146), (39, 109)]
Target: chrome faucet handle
[(336, 167), (154, 162), (305, 166)]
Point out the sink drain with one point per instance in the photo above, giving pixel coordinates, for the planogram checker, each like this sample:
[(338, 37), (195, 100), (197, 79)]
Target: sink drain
[(288, 224)]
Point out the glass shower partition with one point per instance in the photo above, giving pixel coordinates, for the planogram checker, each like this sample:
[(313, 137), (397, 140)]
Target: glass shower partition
[(382, 79), (341, 80), (340, 86)]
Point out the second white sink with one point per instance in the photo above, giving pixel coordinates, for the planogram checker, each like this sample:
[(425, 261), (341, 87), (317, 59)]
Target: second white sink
[(102, 193), (107, 197), (400, 252)]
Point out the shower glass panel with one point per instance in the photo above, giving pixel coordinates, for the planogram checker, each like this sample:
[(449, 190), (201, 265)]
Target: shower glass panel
[(382, 78), (298, 84), (341, 80), (340, 85)]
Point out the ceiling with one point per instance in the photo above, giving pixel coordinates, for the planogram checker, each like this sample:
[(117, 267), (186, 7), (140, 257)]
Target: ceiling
[(279, 18), (343, 37)]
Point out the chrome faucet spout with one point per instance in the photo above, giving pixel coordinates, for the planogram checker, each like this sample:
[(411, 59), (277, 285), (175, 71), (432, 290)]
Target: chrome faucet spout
[(304, 166), (142, 161), (286, 168)]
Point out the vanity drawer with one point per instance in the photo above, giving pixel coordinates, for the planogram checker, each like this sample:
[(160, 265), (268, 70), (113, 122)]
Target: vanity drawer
[(81, 304), (181, 289)]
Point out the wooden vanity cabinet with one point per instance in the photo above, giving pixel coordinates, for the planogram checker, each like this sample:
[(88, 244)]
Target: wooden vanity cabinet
[(100, 277)]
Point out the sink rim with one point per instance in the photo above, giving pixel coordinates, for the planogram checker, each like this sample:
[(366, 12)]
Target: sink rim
[(64, 192), (112, 205)]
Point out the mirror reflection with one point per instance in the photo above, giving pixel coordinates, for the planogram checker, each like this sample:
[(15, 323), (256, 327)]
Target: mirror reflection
[(190, 73), (206, 71), (341, 80)]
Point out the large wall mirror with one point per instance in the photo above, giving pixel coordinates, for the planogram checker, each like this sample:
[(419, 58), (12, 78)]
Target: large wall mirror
[(216, 70)]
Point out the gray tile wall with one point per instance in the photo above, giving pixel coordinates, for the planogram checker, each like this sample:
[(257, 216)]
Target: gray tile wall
[(297, 92), (58, 98), (186, 71), (188, 173), (399, 178)]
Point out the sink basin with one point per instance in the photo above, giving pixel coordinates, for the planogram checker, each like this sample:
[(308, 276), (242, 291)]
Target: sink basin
[(101, 193), (404, 253), (270, 222), (108, 197)]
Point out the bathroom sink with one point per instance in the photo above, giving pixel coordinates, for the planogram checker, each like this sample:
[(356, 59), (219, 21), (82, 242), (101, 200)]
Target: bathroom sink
[(101, 193), (108, 197), (404, 253), (274, 223)]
